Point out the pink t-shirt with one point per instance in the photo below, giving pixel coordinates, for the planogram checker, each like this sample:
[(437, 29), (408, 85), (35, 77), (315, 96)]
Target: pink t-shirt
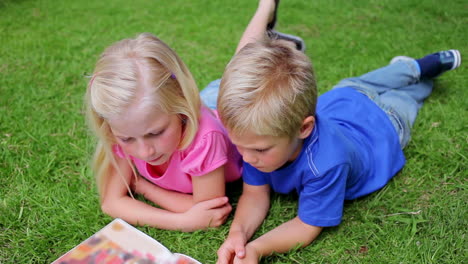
[(209, 150)]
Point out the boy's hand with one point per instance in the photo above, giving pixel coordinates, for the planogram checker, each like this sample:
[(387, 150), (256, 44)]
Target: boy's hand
[(251, 256), (210, 213), (232, 248)]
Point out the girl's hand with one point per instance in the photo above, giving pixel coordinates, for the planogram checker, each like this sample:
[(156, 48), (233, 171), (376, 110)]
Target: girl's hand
[(233, 247), (210, 213)]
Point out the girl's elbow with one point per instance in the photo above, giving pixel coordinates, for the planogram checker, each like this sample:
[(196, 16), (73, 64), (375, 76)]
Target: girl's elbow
[(107, 207)]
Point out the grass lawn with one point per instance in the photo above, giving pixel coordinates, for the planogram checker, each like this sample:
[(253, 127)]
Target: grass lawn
[(48, 199)]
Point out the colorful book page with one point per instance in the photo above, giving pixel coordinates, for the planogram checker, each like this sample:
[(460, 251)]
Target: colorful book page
[(121, 243)]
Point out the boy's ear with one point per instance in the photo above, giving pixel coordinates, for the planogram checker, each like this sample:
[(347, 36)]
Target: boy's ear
[(307, 126)]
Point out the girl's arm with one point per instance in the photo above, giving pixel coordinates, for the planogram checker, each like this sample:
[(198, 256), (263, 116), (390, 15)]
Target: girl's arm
[(170, 200), (209, 186), (117, 203), (206, 187)]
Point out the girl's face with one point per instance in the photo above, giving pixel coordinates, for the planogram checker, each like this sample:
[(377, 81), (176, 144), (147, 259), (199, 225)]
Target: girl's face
[(152, 136)]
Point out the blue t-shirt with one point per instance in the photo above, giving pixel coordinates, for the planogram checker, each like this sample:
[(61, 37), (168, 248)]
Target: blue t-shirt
[(352, 151)]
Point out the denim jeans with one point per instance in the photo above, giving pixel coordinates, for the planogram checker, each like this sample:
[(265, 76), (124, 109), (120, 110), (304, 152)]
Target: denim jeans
[(397, 90), (209, 95)]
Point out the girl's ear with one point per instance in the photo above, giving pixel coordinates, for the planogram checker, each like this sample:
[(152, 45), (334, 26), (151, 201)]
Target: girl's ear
[(307, 126)]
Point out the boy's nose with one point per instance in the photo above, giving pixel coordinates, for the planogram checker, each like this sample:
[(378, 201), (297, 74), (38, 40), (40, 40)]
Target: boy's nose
[(249, 158)]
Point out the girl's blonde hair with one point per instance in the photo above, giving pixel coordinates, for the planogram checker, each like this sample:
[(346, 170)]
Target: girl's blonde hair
[(145, 71), (268, 88)]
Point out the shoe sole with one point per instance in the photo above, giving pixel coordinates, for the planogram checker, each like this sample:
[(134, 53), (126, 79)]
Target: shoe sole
[(300, 44), (457, 58), (272, 24)]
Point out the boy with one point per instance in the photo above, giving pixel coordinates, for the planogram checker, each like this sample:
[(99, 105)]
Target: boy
[(347, 146)]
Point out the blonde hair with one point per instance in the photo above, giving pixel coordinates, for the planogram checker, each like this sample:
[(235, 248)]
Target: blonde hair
[(268, 88), (146, 71)]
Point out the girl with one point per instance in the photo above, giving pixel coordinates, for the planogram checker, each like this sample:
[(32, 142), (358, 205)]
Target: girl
[(156, 138)]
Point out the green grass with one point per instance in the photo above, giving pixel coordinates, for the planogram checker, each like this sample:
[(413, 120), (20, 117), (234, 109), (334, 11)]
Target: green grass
[(48, 200)]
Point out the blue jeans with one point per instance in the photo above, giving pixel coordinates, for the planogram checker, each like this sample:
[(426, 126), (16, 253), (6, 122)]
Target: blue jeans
[(209, 95), (397, 90)]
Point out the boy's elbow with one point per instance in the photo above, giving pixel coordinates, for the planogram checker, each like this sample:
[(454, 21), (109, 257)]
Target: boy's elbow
[(310, 232)]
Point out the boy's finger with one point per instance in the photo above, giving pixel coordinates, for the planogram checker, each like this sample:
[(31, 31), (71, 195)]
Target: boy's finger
[(240, 251), (238, 260), (224, 255)]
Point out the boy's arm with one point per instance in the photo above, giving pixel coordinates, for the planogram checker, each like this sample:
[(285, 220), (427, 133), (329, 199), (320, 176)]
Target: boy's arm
[(285, 237), (320, 199), (251, 210)]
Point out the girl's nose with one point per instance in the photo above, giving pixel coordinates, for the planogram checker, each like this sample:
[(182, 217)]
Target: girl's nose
[(146, 150)]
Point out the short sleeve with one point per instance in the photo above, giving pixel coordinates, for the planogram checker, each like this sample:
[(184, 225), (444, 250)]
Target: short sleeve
[(208, 154), (252, 176), (322, 199)]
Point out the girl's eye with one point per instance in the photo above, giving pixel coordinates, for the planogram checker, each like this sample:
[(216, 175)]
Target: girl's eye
[(261, 150), (156, 134), (125, 140)]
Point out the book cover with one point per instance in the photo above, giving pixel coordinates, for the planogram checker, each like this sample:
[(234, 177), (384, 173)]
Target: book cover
[(121, 243)]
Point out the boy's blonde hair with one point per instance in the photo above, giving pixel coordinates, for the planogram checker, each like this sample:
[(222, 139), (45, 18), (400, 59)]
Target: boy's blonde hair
[(143, 71), (268, 88)]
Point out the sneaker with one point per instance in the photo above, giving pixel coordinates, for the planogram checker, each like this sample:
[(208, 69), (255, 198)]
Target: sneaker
[(300, 45), (272, 24), (433, 65), (449, 59)]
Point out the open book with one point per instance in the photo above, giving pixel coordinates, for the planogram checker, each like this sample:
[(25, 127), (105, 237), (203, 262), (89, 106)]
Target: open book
[(119, 242)]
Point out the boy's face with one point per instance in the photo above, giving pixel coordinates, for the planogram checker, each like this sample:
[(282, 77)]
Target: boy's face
[(266, 153)]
